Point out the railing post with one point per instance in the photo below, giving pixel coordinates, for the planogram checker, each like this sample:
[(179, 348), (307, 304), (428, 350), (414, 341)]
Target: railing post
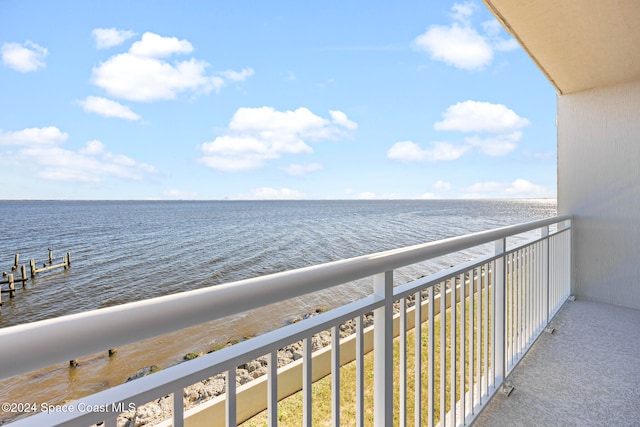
[(500, 313), (307, 382), (545, 274), (569, 225), (230, 401), (272, 388), (178, 408), (383, 351)]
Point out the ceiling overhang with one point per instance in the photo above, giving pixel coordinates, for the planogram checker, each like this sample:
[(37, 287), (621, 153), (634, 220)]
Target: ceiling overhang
[(578, 44)]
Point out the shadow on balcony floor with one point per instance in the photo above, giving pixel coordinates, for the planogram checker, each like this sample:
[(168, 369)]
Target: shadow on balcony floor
[(587, 373)]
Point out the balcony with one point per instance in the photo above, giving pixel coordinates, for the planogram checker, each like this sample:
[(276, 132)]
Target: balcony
[(477, 321), (585, 373)]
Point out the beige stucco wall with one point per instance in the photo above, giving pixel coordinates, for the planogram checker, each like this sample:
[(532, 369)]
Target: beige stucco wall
[(599, 183)]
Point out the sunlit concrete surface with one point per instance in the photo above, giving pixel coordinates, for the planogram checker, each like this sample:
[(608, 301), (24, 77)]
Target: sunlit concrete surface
[(587, 373)]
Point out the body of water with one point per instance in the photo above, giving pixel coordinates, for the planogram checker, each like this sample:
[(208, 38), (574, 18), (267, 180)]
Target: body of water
[(127, 251)]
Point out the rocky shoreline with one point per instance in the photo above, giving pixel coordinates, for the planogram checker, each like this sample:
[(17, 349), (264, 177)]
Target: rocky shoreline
[(160, 409)]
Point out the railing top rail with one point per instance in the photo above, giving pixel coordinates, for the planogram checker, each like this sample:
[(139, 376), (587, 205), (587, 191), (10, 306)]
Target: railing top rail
[(76, 335)]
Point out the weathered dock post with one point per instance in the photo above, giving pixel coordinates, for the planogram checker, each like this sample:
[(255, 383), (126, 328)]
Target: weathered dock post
[(50, 256), (12, 287), (32, 264), (15, 263), (23, 271), (68, 259)]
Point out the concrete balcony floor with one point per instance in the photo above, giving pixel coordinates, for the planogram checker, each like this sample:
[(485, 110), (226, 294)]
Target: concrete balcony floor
[(587, 373)]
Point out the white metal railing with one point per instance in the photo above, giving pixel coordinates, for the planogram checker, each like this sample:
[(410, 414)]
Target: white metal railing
[(481, 317)]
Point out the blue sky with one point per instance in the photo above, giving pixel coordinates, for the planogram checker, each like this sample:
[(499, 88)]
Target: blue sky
[(268, 100)]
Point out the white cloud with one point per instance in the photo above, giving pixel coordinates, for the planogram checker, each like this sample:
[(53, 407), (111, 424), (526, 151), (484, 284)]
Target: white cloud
[(107, 108), (180, 195), (469, 116), (25, 57), (50, 135), (368, 195), (460, 44), (156, 46), (109, 37), (89, 164), (136, 78), (340, 119), (297, 170), (141, 75), (411, 152), (237, 76), (462, 12), (477, 116), (39, 148), (255, 135), (427, 196), (520, 188), (267, 193), (493, 29), (499, 145), (441, 186)]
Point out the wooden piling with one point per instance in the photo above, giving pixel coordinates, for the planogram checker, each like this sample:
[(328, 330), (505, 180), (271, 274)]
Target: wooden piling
[(68, 259), (12, 287), (50, 256), (32, 264), (23, 271), (15, 262)]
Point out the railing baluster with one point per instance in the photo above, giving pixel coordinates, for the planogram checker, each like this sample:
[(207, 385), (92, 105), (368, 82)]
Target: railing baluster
[(500, 336), (525, 303), (307, 381), (230, 401), (568, 254), (383, 351), (418, 359), (478, 354), (509, 311), (545, 275), (534, 289), (454, 356), (484, 386), (335, 376), (178, 408), (463, 344), (492, 331), (472, 353), (443, 354), (431, 358), (272, 388), (359, 373), (517, 305), (532, 284), (403, 362)]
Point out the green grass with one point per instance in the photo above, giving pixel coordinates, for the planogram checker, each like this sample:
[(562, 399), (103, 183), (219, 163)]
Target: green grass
[(290, 408)]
